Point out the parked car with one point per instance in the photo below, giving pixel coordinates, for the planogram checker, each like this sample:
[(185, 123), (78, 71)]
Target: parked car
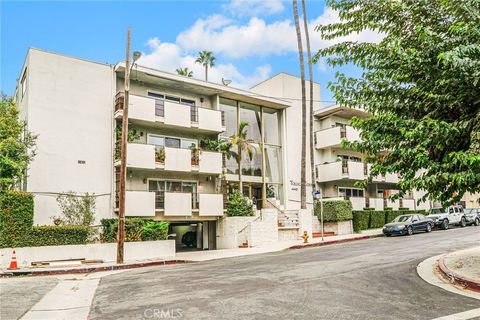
[(444, 217), (407, 224), (473, 216)]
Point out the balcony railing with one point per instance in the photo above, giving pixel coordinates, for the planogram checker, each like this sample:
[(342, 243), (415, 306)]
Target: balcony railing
[(332, 137), (171, 113)]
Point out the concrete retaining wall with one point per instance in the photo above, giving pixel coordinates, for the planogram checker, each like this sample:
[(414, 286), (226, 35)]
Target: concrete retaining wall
[(144, 250)]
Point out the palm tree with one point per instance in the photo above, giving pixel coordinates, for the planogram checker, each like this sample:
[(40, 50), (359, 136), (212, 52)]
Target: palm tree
[(184, 72), (303, 187), (206, 59), (243, 145), (309, 56)]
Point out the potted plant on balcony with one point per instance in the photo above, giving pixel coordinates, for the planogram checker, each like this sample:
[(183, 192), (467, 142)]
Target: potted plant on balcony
[(160, 155), (195, 155)]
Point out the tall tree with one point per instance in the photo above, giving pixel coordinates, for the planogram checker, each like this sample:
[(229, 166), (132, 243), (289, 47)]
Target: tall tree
[(184, 72), (206, 59), (421, 83), (310, 78), (17, 145), (243, 144), (303, 182)]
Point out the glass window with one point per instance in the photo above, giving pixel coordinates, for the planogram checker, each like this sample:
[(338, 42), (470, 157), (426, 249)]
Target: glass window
[(174, 186), (188, 144), (156, 140), (252, 167), (24, 82), (172, 142), (156, 95), (251, 114), (271, 119), (171, 98), (229, 111), (273, 164), (159, 188)]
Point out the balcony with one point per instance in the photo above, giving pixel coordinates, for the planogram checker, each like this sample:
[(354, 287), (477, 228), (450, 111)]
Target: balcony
[(332, 137), (139, 204), (340, 170), (388, 178), (141, 156), (178, 204), (147, 111), (210, 204)]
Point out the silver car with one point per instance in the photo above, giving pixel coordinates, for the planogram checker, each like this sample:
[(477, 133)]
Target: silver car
[(473, 216)]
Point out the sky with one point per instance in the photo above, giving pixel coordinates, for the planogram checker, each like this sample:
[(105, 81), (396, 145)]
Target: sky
[(252, 40)]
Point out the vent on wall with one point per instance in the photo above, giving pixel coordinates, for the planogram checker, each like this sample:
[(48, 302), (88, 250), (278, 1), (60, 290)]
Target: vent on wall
[(81, 161)]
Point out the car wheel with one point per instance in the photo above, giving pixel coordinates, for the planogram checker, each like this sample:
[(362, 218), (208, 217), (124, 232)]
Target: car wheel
[(463, 222), (477, 222), (409, 231), (429, 227), (388, 235), (445, 224)]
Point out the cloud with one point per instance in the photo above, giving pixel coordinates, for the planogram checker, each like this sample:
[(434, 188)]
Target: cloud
[(254, 7), (259, 38), (170, 56)]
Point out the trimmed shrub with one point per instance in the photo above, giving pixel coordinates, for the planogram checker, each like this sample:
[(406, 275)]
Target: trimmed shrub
[(402, 209), (239, 205), (136, 229), (360, 220), (57, 235), (377, 219), (16, 218), (335, 210), (390, 215)]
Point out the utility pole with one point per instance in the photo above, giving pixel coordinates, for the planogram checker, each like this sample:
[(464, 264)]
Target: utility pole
[(123, 157)]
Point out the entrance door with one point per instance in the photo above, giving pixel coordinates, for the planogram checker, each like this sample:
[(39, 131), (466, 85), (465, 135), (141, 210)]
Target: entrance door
[(254, 192)]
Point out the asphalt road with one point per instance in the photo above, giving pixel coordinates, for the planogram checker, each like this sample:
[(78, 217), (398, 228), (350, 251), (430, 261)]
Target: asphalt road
[(370, 279)]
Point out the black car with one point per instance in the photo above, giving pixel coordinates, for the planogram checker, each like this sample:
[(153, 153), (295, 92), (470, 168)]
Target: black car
[(407, 224)]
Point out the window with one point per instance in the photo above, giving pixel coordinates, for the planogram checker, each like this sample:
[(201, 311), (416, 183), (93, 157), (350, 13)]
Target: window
[(271, 125), (172, 142), (229, 110), (251, 114), (350, 192), (23, 82), (174, 99), (160, 187)]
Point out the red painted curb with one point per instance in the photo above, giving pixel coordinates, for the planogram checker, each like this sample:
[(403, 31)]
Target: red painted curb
[(457, 279), (90, 269), (318, 244)]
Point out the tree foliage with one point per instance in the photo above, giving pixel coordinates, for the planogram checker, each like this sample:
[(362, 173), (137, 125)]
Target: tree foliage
[(420, 83), (17, 145), (77, 210)]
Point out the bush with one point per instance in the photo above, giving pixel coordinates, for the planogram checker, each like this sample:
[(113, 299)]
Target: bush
[(136, 229), (16, 218), (77, 210), (390, 215), (239, 205), (57, 235), (335, 210), (377, 219), (360, 220)]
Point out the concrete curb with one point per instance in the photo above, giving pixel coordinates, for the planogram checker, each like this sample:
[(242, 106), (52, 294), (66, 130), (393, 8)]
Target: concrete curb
[(328, 242), (91, 269), (457, 279)]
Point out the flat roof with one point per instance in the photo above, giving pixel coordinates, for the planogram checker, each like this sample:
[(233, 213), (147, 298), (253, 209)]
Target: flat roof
[(179, 82), (344, 112)]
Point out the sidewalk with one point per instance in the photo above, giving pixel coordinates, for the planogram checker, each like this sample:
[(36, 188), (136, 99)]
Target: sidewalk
[(196, 256), (462, 268)]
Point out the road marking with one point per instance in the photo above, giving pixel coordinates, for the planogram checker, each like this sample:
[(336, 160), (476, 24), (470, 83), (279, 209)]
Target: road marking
[(470, 314), (70, 299)]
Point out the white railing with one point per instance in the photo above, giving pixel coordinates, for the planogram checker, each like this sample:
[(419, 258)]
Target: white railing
[(140, 156), (139, 204), (177, 114), (340, 170), (210, 162), (332, 137), (210, 204), (178, 159), (210, 120), (178, 204)]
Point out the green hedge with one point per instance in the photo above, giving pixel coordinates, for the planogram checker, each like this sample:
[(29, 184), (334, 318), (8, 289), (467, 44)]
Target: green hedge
[(16, 218), (360, 220), (335, 210), (136, 229), (58, 235), (377, 219), (371, 219)]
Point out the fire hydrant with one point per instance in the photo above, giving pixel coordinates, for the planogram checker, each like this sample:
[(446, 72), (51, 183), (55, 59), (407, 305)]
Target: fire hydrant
[(305, 237)]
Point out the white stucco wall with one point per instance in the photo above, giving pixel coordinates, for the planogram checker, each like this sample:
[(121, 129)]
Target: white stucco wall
[(70, 108)]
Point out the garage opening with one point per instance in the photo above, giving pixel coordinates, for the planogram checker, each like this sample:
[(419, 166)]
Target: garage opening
[(194, 235)]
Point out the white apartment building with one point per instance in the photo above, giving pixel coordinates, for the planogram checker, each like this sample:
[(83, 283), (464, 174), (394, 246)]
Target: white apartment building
[(337, 169), (76, 108)]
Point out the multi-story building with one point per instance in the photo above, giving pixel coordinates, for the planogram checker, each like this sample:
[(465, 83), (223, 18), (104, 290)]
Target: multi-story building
[(76, 108), (337, 169)]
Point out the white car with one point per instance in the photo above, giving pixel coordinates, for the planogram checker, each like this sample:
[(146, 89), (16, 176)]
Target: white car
[(444, 217), (473, 216)]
